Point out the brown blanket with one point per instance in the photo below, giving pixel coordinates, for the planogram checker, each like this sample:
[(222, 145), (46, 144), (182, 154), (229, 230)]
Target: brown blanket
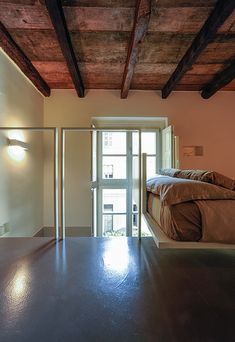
[(216, 206), (218, 220), (182, 221), (176, 190)]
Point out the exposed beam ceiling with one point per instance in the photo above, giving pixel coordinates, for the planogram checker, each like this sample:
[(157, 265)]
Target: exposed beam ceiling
[(220, 13), (141, 21), (100, 32), (219, 81), (56, 13), (22, 61)]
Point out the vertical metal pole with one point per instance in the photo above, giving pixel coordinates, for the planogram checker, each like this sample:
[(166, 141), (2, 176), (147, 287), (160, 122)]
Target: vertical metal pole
[(56, 176), (129, 187), (99, 219), (140, 186), (176, 148), (62, 233), (91, 178), (144, 178)]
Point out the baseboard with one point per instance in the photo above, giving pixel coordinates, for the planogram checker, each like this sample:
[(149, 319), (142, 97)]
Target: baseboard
[(39, 233)]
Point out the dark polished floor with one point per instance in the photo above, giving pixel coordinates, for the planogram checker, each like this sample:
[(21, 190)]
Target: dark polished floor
[(87, 289)]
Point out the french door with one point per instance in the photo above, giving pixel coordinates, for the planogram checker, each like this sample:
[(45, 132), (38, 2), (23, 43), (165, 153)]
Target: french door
[(116, 179)]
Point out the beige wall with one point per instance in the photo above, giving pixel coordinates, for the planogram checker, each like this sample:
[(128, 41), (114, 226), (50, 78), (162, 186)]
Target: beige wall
[(208, 123), (21, 183)]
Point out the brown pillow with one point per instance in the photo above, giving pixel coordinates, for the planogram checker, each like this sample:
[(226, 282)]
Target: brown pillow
[(212, 177), (169, 172)]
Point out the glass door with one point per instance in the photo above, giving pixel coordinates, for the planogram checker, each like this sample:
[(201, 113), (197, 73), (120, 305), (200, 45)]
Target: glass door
[(117, 185), (112, 183)]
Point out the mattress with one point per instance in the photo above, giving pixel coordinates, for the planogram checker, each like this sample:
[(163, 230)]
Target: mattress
[(180, 222)]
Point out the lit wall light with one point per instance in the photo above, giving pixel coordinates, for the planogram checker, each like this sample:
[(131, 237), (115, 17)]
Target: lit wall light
[(16, 149)]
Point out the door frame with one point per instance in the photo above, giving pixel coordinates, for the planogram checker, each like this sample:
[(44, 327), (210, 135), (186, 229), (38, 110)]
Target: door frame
[(126, 183), (62, 169)]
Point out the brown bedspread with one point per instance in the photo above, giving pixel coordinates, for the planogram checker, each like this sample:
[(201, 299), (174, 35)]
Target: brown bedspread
[(180, 222), (218, 220), (193, 211)]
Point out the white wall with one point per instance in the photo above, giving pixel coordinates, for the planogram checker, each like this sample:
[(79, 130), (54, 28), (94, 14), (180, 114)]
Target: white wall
[(78, 179), (21, 183), (208, 123)]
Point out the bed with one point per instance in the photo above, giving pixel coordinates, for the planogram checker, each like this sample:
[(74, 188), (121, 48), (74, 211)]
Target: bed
[(191, 209)]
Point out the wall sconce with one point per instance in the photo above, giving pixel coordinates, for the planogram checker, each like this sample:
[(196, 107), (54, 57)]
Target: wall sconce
[(18, 143), (16, 149)]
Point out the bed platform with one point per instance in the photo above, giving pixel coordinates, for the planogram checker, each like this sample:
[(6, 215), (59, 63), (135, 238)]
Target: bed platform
[(163, 242)]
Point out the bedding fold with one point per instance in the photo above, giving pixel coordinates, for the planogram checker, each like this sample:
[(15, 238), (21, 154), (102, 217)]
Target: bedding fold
[(176, 190), (181, 222)]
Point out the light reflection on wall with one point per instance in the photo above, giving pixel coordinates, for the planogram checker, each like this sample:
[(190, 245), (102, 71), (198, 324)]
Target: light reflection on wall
[(16, 134), (16, 153), (116, 255)]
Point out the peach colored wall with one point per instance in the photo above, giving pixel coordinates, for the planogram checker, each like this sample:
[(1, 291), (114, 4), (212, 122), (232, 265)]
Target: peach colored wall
[(208, 123)]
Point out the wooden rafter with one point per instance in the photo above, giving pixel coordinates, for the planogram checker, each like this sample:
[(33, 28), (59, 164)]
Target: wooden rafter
[(8, 44), (56, 13), (219, 81), (141, 21), (220, 13)]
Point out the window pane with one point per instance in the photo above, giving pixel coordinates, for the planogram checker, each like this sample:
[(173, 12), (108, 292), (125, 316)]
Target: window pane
[(114, 143), (107, 224), (148, 140), (114, 200), (114, 167), (135, 143), (151, 166), (114, 225), (134, 224), (144, 228), (135, 167)]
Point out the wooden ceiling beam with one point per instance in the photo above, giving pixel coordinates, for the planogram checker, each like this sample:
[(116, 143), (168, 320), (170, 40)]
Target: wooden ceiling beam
[(219, 14), (141, 22), (56, 13), (21, 60), (220, 80)]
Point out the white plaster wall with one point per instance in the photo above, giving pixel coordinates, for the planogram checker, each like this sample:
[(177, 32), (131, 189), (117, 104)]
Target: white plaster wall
[(208, 123), (21, 183)]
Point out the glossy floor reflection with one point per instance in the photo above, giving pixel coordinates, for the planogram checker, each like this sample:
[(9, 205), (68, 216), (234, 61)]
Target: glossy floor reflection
[(88, 289)]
